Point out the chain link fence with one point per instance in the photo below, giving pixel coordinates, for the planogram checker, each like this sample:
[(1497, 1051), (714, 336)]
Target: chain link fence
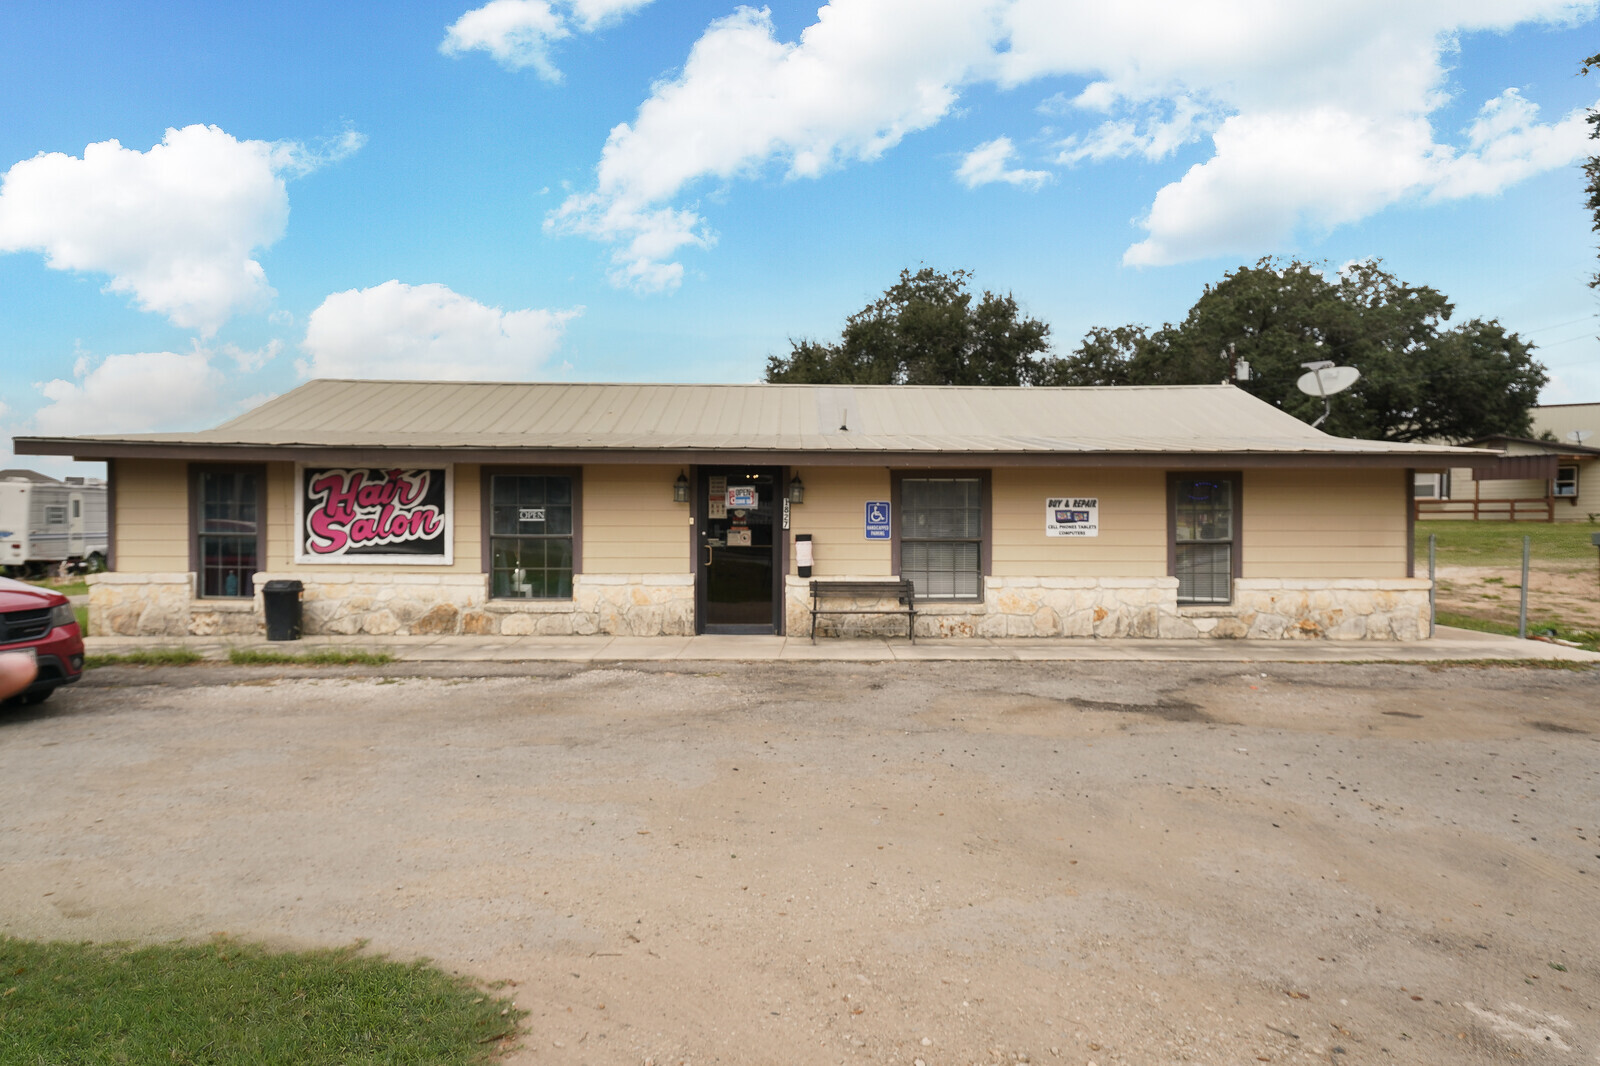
[(1479, 583)]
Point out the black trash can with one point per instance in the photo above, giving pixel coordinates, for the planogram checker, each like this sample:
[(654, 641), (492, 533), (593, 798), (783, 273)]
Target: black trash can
[(281, 601)]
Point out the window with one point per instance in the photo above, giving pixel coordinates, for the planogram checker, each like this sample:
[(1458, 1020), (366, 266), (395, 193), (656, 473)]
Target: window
[(227, 522), (531, 524), (77, 508), (1204, 537), (1433, 486), (55, 514), (1566, 483), (941, 536)]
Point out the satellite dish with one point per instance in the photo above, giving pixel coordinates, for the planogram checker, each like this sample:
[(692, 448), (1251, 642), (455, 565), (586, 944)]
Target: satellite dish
[(1580, 435), (1324, 379), (1328, 380)]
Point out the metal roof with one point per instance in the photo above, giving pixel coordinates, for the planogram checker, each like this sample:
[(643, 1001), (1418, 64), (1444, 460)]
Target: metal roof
[(821, 422)]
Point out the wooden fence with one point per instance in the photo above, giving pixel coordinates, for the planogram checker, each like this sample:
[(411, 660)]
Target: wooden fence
[(1534, 509)]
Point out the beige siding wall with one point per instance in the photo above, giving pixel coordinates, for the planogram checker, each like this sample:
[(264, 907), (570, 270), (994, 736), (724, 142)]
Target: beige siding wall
[(1324, 523), (630, 524), (1133, 524), (835, 515), (281, 489), (1462, 487), (1588, 501), (152, 519)]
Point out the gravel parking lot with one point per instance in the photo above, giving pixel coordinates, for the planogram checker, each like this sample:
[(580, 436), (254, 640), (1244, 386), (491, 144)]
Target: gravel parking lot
[(948, 863)]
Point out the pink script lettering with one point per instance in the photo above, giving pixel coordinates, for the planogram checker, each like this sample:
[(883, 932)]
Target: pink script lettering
[(349, 511)]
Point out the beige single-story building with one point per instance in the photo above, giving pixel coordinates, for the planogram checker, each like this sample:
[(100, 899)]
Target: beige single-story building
[(1533, 480), (565, 509)]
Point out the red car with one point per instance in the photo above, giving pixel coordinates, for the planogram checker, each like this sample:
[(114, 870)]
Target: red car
[(40, 623)]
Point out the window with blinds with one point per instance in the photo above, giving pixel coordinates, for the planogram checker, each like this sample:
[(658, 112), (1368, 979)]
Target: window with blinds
[(941, 537), (1203, 536)]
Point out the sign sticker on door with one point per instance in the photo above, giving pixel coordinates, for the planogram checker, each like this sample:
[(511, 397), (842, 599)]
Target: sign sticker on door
[(1072, 516), (742, 496)]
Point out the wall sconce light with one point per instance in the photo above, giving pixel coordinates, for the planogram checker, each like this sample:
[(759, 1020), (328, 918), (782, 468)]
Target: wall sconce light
[(680, 489), (797, 490)]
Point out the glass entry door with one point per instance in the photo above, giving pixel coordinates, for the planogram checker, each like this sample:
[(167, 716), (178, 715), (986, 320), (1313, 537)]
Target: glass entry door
[(738, 544)]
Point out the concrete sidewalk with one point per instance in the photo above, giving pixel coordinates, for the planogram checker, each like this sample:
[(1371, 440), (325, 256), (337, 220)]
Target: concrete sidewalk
[(1450, 645)]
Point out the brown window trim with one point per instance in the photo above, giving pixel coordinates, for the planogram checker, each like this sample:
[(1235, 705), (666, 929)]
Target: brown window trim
[(111, 514), (486, 472), (194, 472), (1237, 560), (1411, 518), (986, 541)]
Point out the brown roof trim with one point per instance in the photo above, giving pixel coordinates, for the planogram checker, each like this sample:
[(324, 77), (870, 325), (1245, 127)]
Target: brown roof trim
[(93, 450)]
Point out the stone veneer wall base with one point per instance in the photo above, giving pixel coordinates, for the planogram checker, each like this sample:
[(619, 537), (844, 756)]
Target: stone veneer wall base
[(390, 604), (163, 604), (1271, 609)]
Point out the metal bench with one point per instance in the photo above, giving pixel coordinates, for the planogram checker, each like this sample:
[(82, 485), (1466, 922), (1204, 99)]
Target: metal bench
[(903, 592)]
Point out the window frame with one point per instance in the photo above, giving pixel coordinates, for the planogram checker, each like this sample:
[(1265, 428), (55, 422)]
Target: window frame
[(985, 517), (1556, 482), (486, 477), (1236, 541), (1441, 485), (196, 502)]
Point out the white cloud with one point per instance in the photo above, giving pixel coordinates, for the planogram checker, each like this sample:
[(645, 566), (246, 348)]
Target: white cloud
[(1158, 138), (868, 73), (1506, 144), (593, 14), (176, 227), (516, 32), (134, 393), (426, 332), (987, 163), (1327, 111), (249, 361), (519, 33)]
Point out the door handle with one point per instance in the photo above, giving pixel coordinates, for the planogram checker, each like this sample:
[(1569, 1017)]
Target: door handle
[(710, 554)]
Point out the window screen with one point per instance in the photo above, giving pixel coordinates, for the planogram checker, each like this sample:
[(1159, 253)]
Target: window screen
[(228, 532), (530, 537), (1203, 535), (941, 537)]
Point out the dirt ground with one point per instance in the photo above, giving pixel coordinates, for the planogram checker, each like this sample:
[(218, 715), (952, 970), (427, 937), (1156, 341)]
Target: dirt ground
[(944, 863), (1569, 593)]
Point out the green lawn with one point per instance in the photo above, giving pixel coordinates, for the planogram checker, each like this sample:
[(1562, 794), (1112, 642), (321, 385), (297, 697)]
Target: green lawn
[(145, 657), (1500, 543), (320, 657), (75, 586), (227, 1003)]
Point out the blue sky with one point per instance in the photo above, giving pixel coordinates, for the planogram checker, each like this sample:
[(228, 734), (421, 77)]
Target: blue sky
[(618, 190)]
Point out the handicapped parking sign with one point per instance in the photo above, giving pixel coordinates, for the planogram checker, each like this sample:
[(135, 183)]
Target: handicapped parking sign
[(877, 519)]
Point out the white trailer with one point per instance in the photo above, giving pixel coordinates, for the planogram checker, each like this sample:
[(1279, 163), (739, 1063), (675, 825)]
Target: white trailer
[(45, 522)]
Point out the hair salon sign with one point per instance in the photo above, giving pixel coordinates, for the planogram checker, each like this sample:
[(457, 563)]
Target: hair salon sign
[(374, 515)]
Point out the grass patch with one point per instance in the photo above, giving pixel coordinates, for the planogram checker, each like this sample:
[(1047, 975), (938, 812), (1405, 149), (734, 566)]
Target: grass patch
[(72, 586), (1500, 543), (146, 657), (1590, 641), (228, 1003), (320, 657), (82, 615), (1476, 664)]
